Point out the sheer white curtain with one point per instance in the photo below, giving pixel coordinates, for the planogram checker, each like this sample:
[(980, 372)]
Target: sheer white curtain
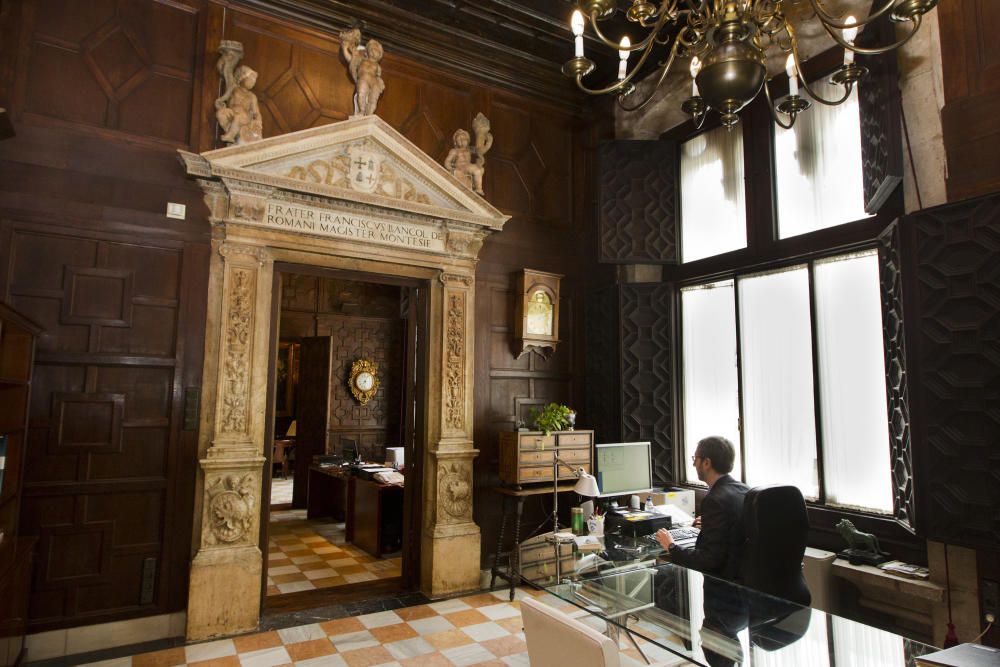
[(779, 424), (852, 382), (713, 202), (818, 166), (857, 645), (711, 384)]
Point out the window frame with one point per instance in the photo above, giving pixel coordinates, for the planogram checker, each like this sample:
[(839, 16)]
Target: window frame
[(765, 251), (809, 264)]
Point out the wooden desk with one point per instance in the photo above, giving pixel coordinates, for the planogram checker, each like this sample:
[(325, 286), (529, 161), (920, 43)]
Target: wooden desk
[(376, 519), (328, 493), (512, 575)]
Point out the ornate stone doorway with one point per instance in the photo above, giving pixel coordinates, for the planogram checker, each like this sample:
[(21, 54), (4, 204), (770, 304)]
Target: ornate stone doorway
[(354, 196)]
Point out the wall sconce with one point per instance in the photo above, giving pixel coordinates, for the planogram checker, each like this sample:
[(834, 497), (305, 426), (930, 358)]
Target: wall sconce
[(536, 321)]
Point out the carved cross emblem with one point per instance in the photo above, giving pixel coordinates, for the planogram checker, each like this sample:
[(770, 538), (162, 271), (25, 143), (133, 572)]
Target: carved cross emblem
[(366, 167)]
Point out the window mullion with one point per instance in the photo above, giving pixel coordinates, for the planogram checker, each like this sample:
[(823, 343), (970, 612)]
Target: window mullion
[(739, 380), (817, 408)]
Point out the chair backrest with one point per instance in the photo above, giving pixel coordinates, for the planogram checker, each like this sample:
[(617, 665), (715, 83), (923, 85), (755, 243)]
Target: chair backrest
[(776, 526), (555, 640)]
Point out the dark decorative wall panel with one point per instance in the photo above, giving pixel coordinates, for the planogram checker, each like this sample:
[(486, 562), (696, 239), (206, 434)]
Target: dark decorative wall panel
[(647, 371), (951, 276), (897, 392), (637, 202), (604, 396), (878, 99)]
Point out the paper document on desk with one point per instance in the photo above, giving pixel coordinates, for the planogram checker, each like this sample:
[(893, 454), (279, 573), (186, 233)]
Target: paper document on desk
[(588, 543), (678, 517)]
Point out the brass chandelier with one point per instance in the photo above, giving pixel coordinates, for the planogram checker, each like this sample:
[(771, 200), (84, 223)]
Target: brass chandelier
[(727, 43)]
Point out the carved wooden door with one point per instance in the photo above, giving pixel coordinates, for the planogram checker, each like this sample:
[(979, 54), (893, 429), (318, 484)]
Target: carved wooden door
[(313, 411)]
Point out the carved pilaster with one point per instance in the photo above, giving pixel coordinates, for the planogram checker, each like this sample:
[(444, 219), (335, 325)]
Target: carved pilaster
[(457, 358)]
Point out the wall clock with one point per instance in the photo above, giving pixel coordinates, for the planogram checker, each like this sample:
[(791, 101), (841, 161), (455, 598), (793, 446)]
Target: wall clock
[(536, 322), (363, 380)]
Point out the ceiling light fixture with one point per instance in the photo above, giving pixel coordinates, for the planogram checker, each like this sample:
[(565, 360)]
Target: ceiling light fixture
[(727, 42)]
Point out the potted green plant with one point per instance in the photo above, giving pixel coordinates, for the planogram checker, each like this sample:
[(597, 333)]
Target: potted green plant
[(553, 417)]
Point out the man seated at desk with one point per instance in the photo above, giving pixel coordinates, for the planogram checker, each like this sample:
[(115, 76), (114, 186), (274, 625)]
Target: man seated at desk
[(719, 546)]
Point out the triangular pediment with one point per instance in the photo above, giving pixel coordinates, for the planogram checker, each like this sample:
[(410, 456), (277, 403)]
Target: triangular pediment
[(360, 160)]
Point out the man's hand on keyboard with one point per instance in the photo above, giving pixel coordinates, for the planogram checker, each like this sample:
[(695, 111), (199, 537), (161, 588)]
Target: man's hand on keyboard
[(664, 537), (697, 522)]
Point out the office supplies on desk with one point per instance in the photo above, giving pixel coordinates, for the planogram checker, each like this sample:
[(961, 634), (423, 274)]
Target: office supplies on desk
[(636, 524)]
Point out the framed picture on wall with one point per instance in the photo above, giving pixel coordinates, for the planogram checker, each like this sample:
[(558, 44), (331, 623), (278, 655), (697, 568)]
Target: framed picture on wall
[(286, 379)]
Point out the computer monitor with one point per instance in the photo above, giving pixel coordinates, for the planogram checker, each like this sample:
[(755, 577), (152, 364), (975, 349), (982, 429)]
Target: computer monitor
[(623, 468)]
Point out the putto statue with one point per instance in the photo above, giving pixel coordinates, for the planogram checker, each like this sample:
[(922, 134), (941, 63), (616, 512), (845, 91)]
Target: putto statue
[(469, 164), (363, 63), (237, 110)]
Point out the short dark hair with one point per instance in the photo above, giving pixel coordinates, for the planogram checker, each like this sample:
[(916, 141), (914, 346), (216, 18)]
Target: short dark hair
[(719, 451)]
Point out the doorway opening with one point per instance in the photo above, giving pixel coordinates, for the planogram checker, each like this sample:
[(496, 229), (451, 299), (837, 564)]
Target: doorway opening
[(346, 402)]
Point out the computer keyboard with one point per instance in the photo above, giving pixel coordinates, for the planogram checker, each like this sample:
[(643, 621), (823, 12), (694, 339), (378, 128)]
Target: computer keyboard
[(684, 534)]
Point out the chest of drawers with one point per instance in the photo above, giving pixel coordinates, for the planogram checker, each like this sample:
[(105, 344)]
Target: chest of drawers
[(526, 457)]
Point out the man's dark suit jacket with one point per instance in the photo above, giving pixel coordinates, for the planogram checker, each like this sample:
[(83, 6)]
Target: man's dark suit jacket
[(720, 544)]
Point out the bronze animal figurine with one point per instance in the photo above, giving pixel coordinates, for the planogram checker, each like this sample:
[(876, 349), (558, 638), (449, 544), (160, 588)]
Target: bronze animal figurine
[(856, 539)]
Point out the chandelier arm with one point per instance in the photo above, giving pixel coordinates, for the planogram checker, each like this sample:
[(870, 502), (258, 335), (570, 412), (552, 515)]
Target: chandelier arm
[(874, 51), (805, 84), (837, 21), (635, 47), (774, 112), (619, 85), (664, 70)]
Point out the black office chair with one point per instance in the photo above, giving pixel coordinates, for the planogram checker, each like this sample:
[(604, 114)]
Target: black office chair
[(776, 525)]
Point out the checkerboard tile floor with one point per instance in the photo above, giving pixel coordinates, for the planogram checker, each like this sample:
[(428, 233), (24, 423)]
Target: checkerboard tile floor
[(281, 491), (304, 555), (482, 630)]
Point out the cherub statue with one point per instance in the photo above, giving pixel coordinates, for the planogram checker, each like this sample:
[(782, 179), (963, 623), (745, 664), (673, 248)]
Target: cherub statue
[(469, 164), (237, 110), (363, 63)]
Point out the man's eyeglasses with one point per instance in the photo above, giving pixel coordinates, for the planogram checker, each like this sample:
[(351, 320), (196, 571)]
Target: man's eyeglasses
[(694, 459)]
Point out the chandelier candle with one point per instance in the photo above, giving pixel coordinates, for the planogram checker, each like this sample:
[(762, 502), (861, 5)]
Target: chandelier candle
[(731, 41)]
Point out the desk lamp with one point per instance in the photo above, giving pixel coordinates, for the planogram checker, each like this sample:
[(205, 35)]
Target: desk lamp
[(586, 485), (290, 433)]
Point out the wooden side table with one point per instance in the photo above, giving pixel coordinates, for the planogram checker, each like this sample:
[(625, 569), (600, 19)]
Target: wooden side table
[(516, 497)]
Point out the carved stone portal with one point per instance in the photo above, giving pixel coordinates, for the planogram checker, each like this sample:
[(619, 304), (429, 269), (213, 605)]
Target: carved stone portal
[(351, 195)]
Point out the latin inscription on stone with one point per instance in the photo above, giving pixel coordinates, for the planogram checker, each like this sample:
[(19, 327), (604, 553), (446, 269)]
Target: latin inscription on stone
[(339, 224)]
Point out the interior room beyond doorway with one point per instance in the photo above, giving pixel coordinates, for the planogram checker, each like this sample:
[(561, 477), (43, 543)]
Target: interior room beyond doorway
[(335, 524)]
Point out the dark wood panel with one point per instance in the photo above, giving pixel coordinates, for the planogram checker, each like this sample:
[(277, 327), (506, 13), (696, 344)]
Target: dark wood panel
[(128, 67), (970, 58), (104, 428)]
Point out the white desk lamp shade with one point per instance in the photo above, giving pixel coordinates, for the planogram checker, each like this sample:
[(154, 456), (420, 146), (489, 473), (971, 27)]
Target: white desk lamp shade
[(587, 486)]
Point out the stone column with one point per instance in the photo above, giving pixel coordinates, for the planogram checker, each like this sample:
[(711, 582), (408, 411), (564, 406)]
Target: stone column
[(450, 544), (224, 594)]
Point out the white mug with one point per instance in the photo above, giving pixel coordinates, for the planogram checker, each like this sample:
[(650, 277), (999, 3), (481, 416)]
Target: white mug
[(595, 525)]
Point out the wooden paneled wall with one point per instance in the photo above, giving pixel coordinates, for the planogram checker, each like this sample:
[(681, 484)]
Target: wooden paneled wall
[(970, 56), (102, 93)]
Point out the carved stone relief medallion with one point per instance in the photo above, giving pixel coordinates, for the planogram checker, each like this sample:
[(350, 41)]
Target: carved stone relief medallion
[(231, 506), (455, 490), (365, 169)]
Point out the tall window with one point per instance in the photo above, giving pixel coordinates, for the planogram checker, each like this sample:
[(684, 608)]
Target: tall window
[(818, 172), (713, 201), (797, 353)]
